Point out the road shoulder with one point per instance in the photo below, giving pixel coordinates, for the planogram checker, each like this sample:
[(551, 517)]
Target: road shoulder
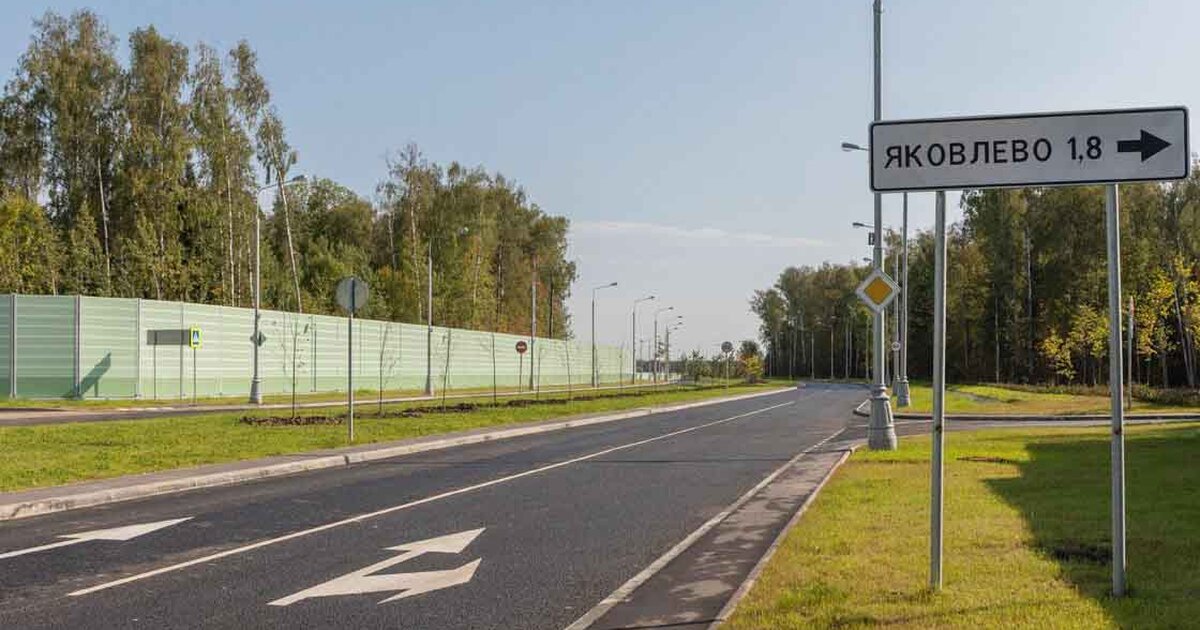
[(699, 581)]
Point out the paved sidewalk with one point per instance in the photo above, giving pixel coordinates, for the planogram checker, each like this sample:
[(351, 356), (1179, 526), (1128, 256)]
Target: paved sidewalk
[(38, 501)]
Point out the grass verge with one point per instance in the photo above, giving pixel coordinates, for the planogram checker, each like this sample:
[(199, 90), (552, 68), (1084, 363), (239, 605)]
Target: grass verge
[(46, 455), (999, 399), (1027, 537)]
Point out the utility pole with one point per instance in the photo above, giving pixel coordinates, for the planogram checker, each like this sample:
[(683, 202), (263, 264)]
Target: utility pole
[(429, 319), (881, 431)]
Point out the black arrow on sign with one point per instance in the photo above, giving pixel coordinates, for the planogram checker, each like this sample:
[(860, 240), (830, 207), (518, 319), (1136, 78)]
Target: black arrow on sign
[(1147, 145)]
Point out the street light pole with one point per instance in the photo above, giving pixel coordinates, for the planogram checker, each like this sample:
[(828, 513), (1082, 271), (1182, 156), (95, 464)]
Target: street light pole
[(633, 372), (256, 336), (595, 367), (902, 393), (881, 431), (654, 348)]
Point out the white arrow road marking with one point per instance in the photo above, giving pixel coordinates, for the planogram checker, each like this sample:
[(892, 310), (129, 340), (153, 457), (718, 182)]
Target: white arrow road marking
[(361, 581), (123, 533), (415, 503)]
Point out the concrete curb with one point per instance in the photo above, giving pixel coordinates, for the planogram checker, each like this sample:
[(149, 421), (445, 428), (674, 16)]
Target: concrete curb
[(13, 506), (756, 572)]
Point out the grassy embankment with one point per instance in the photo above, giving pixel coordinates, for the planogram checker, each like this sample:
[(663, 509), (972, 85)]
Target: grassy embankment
[(1027, 537), (45, 455), (999, 399)]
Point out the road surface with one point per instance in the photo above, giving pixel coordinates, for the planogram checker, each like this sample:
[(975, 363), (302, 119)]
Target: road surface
[(529, 532)]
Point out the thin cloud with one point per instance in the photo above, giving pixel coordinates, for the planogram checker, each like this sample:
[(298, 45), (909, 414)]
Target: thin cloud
[(705, 234)]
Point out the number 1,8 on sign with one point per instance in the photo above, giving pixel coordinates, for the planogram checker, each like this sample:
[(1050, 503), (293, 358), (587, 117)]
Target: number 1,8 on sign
[(1046, 149)]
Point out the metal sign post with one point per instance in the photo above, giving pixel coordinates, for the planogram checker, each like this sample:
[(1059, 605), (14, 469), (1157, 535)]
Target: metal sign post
[(936, 494), (1093, 147), (351, 295), (1112, 211)]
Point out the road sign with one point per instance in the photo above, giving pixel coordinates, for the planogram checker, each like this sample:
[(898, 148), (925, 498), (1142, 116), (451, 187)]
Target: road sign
[(877, 290), (403, 584), (194, 338), (522, 347), (352, 293), (895, 346), (727, 347), (258, 339), (1046, 149)]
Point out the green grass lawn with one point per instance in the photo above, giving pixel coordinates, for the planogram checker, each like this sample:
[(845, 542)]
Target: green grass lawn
[(1027, 537), (46, 455), (997, 399)]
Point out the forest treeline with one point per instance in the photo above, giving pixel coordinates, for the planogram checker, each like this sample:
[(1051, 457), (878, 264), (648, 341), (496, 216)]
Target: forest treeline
[(1027, 291), (142, 179)]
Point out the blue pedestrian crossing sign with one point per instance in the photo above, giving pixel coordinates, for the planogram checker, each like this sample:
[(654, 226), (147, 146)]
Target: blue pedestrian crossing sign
[(195, 340)]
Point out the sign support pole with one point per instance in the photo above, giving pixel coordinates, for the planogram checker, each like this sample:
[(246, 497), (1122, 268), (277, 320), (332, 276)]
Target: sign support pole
[(350, 361), (937, 494), (1112, 211)]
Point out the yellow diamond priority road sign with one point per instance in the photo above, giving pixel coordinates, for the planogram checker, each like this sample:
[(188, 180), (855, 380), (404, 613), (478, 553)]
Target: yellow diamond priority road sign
[(877, 290)]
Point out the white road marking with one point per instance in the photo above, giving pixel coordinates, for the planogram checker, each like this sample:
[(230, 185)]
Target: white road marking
[(411, 504), (361, 581), (627, 589), (123, 533)]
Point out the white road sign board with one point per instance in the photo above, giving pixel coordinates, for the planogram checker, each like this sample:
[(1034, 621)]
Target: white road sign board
[(1046, 149)]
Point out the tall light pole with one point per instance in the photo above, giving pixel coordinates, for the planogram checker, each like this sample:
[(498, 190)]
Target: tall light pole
[(654, 348), (881, 431), (256, 337), (633, 372), (595, 367), (677, 325)]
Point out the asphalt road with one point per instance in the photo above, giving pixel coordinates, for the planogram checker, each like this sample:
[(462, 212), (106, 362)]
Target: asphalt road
[(548, 525)]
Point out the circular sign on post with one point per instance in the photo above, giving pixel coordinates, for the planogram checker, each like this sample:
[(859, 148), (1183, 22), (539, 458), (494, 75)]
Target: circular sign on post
[(895, 346), (522, 347), (352, 293), (727, 346)]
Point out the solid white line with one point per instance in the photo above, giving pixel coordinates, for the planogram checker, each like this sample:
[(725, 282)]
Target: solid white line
[(411, 504), (627, 589), (756, 572)]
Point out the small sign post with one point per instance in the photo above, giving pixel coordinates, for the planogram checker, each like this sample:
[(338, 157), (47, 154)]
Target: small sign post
[(195, 340), (522, 348), (351, 295), (1044, 149)]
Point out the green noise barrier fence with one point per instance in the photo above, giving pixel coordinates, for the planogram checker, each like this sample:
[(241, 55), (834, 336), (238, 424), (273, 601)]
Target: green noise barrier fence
[(90, 347)]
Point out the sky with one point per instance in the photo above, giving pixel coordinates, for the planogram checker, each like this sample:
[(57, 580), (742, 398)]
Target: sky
[(692, 144)]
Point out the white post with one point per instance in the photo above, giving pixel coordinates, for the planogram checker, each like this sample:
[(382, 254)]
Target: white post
[(350, 360), (939, 393), (429, 322), (1112, 210)]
